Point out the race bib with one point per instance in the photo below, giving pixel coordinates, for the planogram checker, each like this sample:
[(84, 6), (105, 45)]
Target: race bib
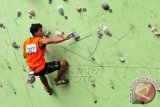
[(31, 48)]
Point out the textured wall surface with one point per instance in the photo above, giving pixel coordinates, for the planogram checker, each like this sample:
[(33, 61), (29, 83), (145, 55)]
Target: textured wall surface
[(104, 82)]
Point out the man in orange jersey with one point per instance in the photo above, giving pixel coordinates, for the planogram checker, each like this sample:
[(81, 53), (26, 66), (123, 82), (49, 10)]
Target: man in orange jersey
[(34, 49)]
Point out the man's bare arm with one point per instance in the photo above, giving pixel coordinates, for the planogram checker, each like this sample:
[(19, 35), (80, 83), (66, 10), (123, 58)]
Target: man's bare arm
[(54, 40)]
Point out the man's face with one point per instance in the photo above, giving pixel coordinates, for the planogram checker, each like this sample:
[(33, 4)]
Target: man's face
[(39, 32)]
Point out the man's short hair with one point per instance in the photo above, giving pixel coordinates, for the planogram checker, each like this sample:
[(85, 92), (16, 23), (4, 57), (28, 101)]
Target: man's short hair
[(35, 27)]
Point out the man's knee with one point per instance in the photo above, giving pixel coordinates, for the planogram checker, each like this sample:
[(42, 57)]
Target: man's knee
[(63, 63)]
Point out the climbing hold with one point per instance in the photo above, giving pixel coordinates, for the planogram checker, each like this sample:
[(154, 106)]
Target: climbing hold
[(79, 9), (121, 59), (19, 13), (47, 34), (95, 101), (2, 25), (61, 10), (106, 31), (31, 13), (75, 36), (9, 67), (1, 85), (30, 17), (15, 93), (24, 69), (58, 33), (149, 26), (93, 85), (100, 34), (65, 17), (14, 45), (50, 1), (157, 33), (113, 87), (153, 29), (84, 10), (110, 11), (105, 6), (65, 0), (92, 58)]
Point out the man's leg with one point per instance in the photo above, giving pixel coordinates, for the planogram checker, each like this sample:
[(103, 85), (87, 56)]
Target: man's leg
[(62, 70), (45, 83)]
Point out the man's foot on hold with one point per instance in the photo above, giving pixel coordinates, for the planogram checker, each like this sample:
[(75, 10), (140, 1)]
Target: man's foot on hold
[(49, 90), (61, 81)]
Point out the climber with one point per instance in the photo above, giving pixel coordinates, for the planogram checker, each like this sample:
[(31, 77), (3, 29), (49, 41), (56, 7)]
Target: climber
[(34, 49)]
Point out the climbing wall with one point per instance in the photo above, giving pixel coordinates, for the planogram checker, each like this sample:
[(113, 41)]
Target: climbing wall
[(115, 47)]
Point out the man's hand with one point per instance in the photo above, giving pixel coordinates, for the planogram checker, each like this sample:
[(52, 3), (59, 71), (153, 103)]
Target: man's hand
[(68, 37)]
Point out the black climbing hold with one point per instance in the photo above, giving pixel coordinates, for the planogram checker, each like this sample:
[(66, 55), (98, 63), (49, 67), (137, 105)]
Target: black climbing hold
[(113, 87), (75, 36), (93, 59), (100, 34), (24, 69), (109, 34), (105, 6), (84, 10), (15, 93), (19, 13), (149, 26), (65, 17), (30, 17), (14, 45), (93, 85), (50, 1), (2, 25), (9, 67), (95, 101), (110, 11), (1, 85)]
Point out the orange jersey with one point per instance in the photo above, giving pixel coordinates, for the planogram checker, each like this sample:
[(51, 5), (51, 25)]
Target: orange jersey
[(33, 54)]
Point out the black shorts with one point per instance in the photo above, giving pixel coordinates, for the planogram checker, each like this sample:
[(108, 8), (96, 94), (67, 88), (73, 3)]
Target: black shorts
[(49, 68)]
